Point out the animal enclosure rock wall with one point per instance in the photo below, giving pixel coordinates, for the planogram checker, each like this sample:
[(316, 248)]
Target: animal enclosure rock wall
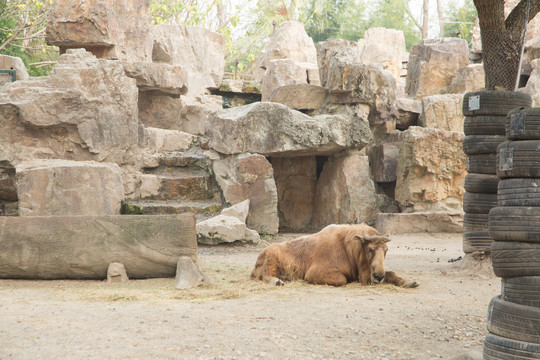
[(62, 187), (431, 170), (72, 114)]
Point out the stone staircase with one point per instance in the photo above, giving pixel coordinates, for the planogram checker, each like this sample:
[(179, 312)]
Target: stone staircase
[(180, 183)]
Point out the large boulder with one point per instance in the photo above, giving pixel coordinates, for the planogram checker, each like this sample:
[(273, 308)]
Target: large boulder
[(533, 85), (186, 113), (383, 46), (227, 227), (431, 170), (300, 96), (72, 114), (290, 41), (274, 129), (287, 72), (345, 191), (341, 50), (62, 187), (443, 112), (199, 51), (296, 179), (110, 29), (250, 176), (408, 112), (351, 82), (166, 78), (14, 63), (468, 79), (433, 64)]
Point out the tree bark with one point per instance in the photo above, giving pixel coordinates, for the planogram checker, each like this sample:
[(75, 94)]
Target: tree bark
[(425, 20), (501, 40), (82, 247), (440, 13)]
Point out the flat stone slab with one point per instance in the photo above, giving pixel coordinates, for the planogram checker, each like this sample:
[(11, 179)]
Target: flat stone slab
[(407, 223), (82, 247)]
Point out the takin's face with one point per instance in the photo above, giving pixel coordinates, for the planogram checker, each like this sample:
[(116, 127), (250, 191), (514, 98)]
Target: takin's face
[(376, 248)]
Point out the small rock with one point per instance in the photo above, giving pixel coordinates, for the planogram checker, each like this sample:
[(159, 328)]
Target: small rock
[(116, 273)]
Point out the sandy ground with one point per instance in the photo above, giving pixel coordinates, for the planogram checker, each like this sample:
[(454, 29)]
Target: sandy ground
[(236, 318)]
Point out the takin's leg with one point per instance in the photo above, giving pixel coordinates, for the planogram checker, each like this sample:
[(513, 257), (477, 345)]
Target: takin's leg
[(325, 276), (391, 277), (267, 268)]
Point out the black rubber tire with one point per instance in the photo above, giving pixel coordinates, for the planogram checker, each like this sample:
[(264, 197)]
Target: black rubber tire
[(479, 203), (514, 321), (482, 144), (485, 125), (519, 192), (496, 102), (482, 164), (523, 124), (511, 259), (475, 222), (481, 183), (524, 290), (515, 223), (476, 241), (518, 159), (500, 348)]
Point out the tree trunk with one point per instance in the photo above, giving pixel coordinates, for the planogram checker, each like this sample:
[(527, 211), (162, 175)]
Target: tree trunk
[(440, 13), (501, 40), (82, 247), (425, 20)]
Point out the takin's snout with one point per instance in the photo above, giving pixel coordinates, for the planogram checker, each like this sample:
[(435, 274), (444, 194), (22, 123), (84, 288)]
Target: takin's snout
[(376, 278)]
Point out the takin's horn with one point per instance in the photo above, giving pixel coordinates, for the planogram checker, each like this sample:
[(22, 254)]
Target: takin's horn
[(375, 237)]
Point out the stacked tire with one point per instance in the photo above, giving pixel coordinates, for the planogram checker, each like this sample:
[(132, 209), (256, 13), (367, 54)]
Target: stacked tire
[(485, 129), (513, 319)]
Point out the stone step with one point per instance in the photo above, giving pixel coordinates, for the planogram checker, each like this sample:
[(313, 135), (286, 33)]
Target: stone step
[(178, 186), (201, 209), (178, 159)]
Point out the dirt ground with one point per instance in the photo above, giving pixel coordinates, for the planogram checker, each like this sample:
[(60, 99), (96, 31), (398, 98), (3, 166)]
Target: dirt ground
[(236, 318)]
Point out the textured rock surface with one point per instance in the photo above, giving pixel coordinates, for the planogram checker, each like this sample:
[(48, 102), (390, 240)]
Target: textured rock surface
[(290, 41), (385, 47), (468, 79), (61, 187), (339, 50), (296, 179), (431, 170), (116, 273), (227, 227), (300, 96), (14, 63), (384, 160), (408, 112), (82, 247), (71, 114), (274, 129), (433, 65), (188, 275), (442, 112), (351, 82), (287, 72), (160, 77), (345, 192), (419, 222), (111, 29), (533, 85), (167, 140), (200, 52), (250, 176)]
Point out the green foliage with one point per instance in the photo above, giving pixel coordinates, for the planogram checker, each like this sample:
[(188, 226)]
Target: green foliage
[(325, 19), (22, 33), (391, 14), (463, 16)]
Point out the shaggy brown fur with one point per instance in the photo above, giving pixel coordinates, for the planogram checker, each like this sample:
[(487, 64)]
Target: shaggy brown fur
[(336, 255)]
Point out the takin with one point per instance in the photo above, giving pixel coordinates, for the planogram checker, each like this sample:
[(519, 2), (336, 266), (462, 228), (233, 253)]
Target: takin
[(336, 255)]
